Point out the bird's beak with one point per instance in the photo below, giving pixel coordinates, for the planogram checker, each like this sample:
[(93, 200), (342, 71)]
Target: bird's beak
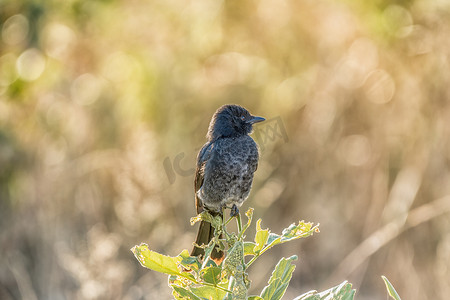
[(254, 120)]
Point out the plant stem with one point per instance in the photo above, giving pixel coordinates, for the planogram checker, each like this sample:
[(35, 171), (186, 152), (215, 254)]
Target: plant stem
[(217, 286), (256, 256), (228, 221), (232, 282), (238, 218), (204, 283)]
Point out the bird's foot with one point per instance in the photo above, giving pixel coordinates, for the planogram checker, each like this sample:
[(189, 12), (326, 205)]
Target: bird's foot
[(234, 211)]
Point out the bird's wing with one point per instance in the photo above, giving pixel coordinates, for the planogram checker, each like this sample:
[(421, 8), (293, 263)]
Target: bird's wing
[(251, 160), (202, 159)]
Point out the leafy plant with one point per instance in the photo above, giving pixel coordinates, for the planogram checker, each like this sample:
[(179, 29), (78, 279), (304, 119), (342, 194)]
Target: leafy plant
[(192, 278), (390, 288), (343, 291)]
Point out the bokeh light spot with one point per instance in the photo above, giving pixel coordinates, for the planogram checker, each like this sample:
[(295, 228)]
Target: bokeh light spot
[(398, 20), (86, 89), (30, 64), (361, 58), (15, 30), (336, 26), (420, 41), (58, 39), (379, 87)]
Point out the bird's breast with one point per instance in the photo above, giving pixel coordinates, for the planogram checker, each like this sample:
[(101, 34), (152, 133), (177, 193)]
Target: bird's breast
[(229, 172)]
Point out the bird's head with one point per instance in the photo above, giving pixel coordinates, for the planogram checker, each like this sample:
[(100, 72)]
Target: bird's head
[(231, 121)]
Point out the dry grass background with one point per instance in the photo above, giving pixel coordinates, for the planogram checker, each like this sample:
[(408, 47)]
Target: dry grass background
[(96, 95)]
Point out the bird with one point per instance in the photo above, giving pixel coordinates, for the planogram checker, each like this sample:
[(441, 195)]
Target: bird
[(225, 167)]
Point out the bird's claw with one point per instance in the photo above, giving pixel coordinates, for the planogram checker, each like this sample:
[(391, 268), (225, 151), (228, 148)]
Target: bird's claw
[(234, 211)]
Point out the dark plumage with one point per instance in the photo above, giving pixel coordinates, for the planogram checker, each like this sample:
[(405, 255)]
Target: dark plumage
[(225, 167)]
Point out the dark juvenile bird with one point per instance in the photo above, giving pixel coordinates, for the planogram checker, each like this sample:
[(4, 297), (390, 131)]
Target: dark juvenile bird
[(225, 167)]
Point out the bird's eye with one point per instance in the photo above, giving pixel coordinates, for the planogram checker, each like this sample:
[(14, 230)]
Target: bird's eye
[(243, 118)]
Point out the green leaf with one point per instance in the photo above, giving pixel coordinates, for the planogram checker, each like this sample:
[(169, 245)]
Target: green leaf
[(178, 280), (255, 298), (273, 239), (189, 262), (208, 260), (228, 296), (208, 249), (211, 275), (216, 221), (239, 289), (209, 263), (343, 291), (155, 261), (249, 248), (279, 280), (293, 232), (249, 215), (261, 237), (183, 293), (234, 258), (208, 292), (195, 219), (391, 290), (311, 295)]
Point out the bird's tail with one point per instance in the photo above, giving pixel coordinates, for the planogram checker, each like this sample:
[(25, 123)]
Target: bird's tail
[(204, 236)]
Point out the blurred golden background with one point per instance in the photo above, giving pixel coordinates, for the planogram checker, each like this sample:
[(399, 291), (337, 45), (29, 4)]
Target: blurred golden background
[(105, 103)]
